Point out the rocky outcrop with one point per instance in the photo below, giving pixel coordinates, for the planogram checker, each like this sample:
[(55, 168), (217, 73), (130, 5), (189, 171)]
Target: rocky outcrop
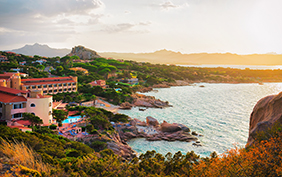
[(152, 121), (152, 131), (167, 127), (145, 89), (84, 53), (114, 142), (125, 105), (120, 147), (265, 114), (148, 101)]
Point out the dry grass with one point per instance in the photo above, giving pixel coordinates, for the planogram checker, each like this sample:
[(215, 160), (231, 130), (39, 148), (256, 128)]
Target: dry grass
[(17, 153)]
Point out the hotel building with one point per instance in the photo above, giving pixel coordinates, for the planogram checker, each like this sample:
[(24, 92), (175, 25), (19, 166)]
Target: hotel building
[(14, 102), (52, 85)]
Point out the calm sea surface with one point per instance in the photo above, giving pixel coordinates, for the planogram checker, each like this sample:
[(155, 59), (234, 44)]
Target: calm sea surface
[(220, 112), (259, 67)]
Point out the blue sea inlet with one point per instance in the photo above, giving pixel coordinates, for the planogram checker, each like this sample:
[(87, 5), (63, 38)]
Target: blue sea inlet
[(220, 112)]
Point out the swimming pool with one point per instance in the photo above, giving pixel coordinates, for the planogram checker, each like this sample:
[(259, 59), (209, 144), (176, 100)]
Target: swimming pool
[(71, 119)]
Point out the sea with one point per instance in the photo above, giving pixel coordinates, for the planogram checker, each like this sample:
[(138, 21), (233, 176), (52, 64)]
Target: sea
[(257, 67), (221, 112)]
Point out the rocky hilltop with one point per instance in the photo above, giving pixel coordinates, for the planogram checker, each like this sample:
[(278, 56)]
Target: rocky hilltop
[(265, 114), (84, 53)]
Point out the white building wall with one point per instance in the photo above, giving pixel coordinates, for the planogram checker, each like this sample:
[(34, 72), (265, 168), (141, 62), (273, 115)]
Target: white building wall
[(42, 109)]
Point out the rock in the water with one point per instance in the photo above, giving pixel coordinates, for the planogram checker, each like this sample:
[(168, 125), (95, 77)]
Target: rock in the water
[(265, 114), (152, 121), (196, 134), (183, 127), (125, 105), (197, 144), (167, 127), (84, 53)]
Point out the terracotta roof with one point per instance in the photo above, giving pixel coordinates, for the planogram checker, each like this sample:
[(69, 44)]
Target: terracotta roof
[(24, 122), (56, 104), (48, 82), (46, 79), (7, 74), (71, 113), (11, 90), (8, 98)]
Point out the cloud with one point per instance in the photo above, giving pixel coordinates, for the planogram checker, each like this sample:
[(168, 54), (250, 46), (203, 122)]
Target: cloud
[(169, 5), (145, 23), (118, 27), (48, 7), (126, 27), (127, 12)]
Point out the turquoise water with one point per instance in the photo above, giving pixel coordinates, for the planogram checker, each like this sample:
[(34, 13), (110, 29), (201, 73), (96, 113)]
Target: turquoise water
[(71, 119), (220, 112)]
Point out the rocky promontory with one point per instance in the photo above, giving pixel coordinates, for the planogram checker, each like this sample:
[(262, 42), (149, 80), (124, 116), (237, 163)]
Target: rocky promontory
[(140, 100), (265, 114), (84, 53), (152, 130)]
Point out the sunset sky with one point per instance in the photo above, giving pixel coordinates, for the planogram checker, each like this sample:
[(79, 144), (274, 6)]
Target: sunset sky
[(188, 26)]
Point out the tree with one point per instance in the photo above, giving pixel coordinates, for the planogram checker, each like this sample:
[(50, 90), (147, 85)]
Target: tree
[(59, 115), (33, 119), (93, 98)]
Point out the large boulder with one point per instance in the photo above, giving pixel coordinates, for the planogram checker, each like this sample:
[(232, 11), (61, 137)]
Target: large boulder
[(152, 121), (167, 127), (183, 127), (265, 114)]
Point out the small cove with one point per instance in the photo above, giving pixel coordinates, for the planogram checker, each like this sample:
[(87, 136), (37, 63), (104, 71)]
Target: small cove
[(220, 112)]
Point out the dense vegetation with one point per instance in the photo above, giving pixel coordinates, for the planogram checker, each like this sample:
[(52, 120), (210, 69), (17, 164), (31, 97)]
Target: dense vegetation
[(115, 72), (67, 158), (148, 74)]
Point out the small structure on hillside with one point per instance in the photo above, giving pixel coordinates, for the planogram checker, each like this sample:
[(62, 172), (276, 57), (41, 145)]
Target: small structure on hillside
[(101, 83)]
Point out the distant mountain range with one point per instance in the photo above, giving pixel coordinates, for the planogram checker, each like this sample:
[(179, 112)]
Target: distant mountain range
[(170, 57), (165, 56), (41, 50)]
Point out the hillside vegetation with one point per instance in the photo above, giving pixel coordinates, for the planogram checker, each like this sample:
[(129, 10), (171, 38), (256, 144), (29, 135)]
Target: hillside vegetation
[(262, 159)]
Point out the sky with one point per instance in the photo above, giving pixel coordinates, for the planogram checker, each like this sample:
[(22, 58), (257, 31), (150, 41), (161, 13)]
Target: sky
[(187, 26)]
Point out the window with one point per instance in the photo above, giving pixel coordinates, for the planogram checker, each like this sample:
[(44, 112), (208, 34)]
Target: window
[(65, 90), (18, 106), (0, 105), (39, 86), (18, 115), (50, 104), (69, 84), (50, 113), (45, 91), (50, 85), (60, 90), (27, 87), (32, 105), (65, 84), (59, 85), (34, 87), (69, 89), (33, 113), (73, 88), (55, 85), (44, 86)]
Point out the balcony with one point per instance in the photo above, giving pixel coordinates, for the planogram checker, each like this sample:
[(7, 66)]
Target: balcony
[(15, 111)]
